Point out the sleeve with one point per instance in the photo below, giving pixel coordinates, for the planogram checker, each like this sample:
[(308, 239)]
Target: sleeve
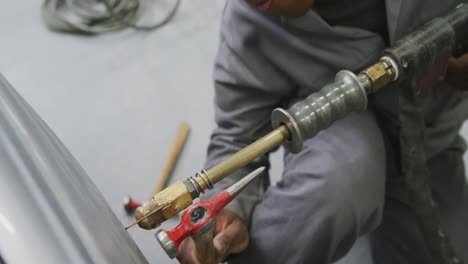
[(247, 88)]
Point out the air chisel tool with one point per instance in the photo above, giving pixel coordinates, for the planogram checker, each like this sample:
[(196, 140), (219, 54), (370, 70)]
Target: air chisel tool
[(413, 55)]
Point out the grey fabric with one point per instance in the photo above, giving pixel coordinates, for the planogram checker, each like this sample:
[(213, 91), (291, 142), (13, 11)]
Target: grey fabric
[(398, 238), (349, 13), (253, 75), (333, 191), (52, 212)]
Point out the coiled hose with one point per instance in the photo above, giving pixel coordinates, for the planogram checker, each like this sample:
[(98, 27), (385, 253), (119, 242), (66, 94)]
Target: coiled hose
[(98, 16)]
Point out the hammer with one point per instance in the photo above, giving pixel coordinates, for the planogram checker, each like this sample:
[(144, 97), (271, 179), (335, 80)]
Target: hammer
[(198, 222)]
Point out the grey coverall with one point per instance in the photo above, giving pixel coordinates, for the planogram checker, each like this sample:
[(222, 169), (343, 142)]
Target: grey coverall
[(345, 184)]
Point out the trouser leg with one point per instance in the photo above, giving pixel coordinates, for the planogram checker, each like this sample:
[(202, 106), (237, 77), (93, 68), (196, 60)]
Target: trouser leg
[(447, 176), (399, 239), (331, 193)]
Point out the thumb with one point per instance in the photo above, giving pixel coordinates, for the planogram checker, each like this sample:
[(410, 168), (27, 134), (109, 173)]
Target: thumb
[(233, 239)]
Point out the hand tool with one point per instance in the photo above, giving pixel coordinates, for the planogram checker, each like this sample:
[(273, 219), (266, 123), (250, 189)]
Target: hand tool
[(411, 56), (130, 205), (198, 222), (173, 156)]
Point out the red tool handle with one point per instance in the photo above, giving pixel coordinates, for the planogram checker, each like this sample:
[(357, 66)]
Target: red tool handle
[(198, 216)]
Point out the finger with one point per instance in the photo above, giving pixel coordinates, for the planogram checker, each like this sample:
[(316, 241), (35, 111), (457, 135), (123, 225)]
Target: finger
[(233, 239), (187, 252), (224, 219)]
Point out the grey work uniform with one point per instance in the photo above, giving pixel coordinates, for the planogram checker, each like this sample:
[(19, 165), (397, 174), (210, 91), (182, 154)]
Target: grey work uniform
[(345, 183)]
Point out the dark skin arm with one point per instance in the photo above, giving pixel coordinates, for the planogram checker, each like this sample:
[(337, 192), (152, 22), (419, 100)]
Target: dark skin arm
[(457, 73)]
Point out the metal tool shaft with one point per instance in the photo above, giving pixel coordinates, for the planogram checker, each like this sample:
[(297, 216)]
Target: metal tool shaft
[(244, 156), (237, 188)]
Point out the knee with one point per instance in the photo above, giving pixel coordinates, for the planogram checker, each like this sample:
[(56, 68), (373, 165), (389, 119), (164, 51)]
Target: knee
[(347, 175), (353, 197), (360, 180), (335, 186)]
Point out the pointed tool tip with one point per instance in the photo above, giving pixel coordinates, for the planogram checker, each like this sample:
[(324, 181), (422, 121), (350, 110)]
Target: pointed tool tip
[(255, 173), (261, 169), (237, 187), (131, 225)]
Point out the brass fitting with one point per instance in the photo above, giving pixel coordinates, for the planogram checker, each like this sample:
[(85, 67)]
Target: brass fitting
[(180, 195), (173, 199), (380, 74)]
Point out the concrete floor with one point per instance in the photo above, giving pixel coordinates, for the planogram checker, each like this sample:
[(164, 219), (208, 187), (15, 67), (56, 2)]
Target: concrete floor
[(115, 100)]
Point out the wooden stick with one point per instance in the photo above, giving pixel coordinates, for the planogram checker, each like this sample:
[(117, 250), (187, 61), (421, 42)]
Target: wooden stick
[(172, 157)]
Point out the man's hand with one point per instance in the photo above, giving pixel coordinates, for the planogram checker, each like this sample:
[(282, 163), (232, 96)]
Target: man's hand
[(231, 237), (457, 73), (291, 8)]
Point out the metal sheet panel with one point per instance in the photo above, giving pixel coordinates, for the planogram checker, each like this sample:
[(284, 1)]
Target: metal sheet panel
[(51, 212)]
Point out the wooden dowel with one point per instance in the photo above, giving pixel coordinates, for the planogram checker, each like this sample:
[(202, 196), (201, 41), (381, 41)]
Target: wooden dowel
[(172, 157)]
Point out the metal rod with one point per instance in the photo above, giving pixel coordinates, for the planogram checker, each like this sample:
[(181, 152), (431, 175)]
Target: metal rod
[(145, 216), (172, 157), (245, 156), (237, 187)]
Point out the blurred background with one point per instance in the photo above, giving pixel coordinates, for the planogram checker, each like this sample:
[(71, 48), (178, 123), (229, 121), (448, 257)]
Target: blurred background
[(115, 100)]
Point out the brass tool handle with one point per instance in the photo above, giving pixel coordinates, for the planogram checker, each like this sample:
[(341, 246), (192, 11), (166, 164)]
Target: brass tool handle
[(246, 155), (172, 157), (206, 252)]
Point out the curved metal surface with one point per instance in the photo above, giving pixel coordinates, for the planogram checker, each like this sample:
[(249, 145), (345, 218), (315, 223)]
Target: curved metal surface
[(51, 211)]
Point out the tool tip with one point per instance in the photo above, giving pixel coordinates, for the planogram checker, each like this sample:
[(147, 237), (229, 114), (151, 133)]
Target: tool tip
[(130, 225), (236, 188)]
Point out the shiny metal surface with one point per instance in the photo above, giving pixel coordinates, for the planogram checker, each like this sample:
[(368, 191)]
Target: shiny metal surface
[(319, 110), (394, 66), (163, 206), (51, 211), (237, 188), (380, 74), (246, 155), (166, 243)]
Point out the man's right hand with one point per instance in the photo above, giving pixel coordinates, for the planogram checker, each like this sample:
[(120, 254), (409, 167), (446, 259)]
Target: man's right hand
[(231, 237)]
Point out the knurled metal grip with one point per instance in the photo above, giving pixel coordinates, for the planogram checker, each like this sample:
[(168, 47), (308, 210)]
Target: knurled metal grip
[(319, 110), (435, 41)]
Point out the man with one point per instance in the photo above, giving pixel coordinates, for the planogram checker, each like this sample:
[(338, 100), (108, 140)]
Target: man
[(346, 181)]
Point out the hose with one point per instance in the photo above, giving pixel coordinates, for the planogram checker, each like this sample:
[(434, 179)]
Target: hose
[(98, 16)]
